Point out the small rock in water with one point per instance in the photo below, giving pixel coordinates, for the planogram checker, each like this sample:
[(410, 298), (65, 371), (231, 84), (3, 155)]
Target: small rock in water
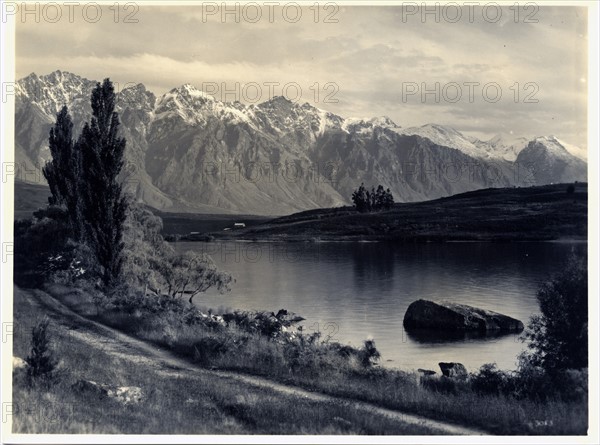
[(453, 370), (426, 371)]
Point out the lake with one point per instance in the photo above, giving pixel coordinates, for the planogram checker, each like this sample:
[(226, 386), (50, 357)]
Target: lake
[(355, 291)]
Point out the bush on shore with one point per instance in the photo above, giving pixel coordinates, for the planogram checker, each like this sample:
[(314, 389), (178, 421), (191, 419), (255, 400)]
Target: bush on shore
[(260, 342), (530, 382)]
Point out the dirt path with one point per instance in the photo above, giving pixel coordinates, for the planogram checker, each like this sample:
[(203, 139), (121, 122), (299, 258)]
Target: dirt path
[(163, 361)]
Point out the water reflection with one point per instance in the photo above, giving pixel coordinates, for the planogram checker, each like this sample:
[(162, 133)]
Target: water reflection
[(373, 267), (430, 336)]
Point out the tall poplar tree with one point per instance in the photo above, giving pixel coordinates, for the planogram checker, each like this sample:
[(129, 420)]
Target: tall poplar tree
[(103, 204), (62, 172)]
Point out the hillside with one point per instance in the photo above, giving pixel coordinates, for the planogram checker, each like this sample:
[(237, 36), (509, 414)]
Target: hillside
[(506, 214), (31, 197), (28, 198)]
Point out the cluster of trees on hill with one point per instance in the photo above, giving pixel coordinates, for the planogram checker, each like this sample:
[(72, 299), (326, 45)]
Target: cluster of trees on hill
[(91, 231), (373, 200)]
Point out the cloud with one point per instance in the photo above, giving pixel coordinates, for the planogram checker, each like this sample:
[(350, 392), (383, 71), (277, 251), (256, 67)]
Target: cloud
[(370, 54)]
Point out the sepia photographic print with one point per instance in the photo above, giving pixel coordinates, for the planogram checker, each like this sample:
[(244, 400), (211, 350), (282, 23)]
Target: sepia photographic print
[(299, 222)]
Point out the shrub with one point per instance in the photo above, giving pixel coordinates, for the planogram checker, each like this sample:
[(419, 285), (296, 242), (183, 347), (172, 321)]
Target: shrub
[(208, 348), (368, 354), (490, 380), (444, 385), (74, 265), (41, 361), (573, 384), (533, 382), (268, 324), (44, 236)]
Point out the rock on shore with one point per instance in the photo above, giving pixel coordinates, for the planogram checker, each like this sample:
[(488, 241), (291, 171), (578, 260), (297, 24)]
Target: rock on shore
[(445, 316), (453, 370)]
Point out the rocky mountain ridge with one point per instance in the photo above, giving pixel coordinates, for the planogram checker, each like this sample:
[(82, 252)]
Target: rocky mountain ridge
[(187, 151)]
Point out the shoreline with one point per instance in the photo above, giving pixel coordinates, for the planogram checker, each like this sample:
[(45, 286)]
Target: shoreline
[(416, 241)]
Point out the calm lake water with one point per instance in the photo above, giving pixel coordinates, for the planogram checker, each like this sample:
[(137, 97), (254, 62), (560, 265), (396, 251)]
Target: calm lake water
[(355, 291)]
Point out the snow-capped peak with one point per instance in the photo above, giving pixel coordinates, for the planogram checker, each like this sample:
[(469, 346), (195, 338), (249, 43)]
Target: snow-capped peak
[(137, 97), (192, 91), (186, 93), (364, 124), (447, 137), (196, 107), (506, 140), (552, 145), (502, 146), (383, 121), (576, 151), (51, 91)]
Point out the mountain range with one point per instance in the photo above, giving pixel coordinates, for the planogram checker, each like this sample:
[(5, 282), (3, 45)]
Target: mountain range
[(189, 152)]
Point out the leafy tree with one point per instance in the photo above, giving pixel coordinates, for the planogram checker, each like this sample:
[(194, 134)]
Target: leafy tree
[(558, 337), (145, 249), (359, 198), (383, 199), (371, 200), (379, 197), (388, 200), (193, 273), (103, 204)]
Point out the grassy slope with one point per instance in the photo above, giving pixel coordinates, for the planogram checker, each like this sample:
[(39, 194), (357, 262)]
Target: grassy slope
[(510, 214), (175, 402)]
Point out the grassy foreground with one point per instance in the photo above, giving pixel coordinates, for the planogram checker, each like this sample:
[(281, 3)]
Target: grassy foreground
[(174, 403), (301, 362)]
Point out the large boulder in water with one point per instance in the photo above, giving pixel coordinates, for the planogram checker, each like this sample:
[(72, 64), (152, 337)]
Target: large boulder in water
[(446, 316)]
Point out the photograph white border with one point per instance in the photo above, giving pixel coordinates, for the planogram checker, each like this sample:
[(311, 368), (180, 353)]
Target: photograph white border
[(7, 51)]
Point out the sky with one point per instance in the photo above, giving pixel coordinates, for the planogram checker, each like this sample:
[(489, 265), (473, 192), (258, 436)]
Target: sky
[(520, 73)]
